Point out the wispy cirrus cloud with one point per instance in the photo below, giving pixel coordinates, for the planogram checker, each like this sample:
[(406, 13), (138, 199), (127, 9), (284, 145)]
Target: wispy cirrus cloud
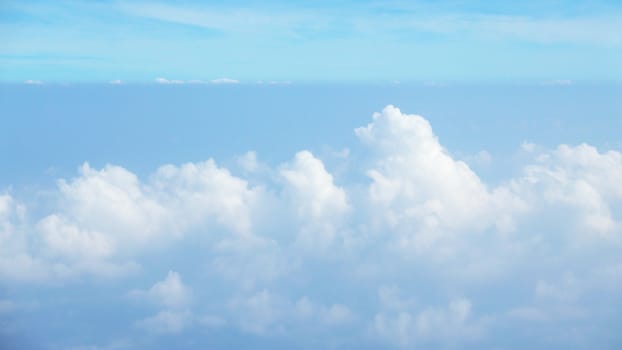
[(599, 29), (290, 43)]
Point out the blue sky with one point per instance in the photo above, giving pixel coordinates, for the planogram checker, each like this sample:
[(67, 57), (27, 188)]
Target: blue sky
[(362, 41), (310, 175)]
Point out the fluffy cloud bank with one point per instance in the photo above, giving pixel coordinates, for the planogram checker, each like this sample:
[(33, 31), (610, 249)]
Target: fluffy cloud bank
[(291, 245), (419, 191)]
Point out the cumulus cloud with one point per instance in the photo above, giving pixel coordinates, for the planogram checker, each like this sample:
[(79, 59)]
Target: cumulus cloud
[(199, 191), (415, 178), (420, 190), (318, 203), (112, 200), (105, 216), (69, 240), (580, 178), (316, 195), (16, 260), (170, 292)]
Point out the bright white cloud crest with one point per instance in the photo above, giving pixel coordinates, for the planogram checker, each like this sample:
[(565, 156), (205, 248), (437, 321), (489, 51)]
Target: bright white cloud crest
[(420, 190), (256, 240)]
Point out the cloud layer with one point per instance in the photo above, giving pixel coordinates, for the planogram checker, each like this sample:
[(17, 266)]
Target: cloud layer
[(421, 252)]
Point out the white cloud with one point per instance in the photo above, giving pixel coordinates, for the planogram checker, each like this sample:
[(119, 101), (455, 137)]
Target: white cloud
[(23, 267), (104, 216), (116, 82), (528, 146), (261, 313), (166, 321), (170, 293), (8, 212), (248, 161), (168, 81), (112, 201), (419, 190), (5, 203), (564, 290), (451, 320), (482, 158), (196, 192), (174, 297), (317, 197), (16, 260), (580, 178), (414, 169), (249, 261), (409, 325), (277, 82), (267, 313), (317, 202), (330, 316), (224, 81), (391, 299), (69, 240), (304, 308), (343, 153), (337, 314), (33, 82)]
